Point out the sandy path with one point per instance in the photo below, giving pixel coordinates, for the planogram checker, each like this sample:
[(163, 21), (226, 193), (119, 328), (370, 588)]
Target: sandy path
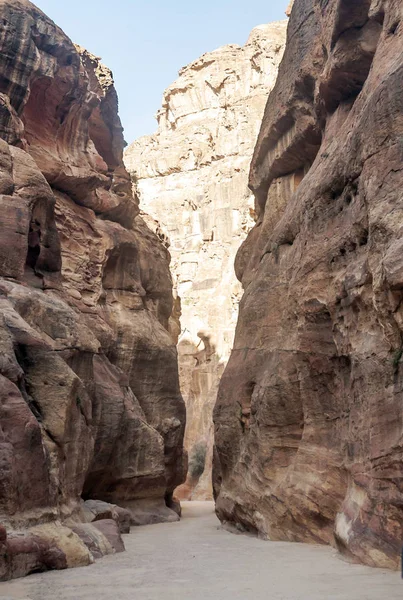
[(197, 560)]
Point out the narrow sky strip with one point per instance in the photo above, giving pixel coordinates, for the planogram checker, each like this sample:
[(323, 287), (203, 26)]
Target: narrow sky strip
[(145, 43)]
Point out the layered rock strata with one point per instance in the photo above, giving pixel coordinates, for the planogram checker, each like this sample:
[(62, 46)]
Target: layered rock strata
[(192, 178), (308, 422), (89, 392)]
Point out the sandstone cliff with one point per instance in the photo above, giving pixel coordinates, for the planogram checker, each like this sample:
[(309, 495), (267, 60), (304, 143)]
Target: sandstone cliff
[(308, 422), (90, 405), (192, 177)]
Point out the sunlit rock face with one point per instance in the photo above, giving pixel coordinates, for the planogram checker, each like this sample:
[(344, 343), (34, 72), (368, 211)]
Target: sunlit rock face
[(308, 422), (289, 8), (191, 176), (89, 390)]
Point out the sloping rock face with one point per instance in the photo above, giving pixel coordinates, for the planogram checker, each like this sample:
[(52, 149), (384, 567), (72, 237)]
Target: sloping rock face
[(308, 422), (89, 391), (192, 178)]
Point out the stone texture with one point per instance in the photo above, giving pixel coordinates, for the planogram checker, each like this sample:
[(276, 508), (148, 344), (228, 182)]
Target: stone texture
[(64, 538), (25, 553), (150, 512), (96, 510), (95, 540), (110, 530), (89, 390), (289, 8), (308, 423), (191, 177)]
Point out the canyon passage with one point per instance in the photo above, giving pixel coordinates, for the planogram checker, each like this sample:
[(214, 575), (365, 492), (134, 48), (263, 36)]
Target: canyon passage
[(215, 313), (210, 563)]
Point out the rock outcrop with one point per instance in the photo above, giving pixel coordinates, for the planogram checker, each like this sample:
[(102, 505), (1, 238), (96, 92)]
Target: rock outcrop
[(90, 405), (308, 422), (191, 177)]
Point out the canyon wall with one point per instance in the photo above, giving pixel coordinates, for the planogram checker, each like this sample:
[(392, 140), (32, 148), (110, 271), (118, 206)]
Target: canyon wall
[(191, 177), (90, 406), (308, 421)]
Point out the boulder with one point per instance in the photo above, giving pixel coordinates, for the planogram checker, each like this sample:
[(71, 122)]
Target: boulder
[(96, 510), (110, 530)]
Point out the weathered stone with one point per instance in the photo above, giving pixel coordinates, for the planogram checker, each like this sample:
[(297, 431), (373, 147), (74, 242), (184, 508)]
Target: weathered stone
[(89, 390), (27, 553), (110, 529), (289, 8), (96, 510), (308, 422), (123, 518), (97, 543), (151, 512), (174, 504), (56, 535), (191, 177)]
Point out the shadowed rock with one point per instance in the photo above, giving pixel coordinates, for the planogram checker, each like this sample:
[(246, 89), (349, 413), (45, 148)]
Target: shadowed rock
[(89, 393), (308, 424)]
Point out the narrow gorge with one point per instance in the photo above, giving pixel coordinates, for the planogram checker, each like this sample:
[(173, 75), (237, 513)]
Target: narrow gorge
[(213, 314), (192, 180)]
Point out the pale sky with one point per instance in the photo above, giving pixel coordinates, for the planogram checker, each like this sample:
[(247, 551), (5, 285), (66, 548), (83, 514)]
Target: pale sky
[(146, 43)]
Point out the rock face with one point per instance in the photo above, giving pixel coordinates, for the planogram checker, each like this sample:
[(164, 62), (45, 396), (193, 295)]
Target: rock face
[(192, 179), (289, 8), (89, 391), (308, 422)]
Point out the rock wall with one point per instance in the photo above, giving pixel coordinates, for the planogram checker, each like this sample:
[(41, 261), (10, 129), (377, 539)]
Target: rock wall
[(90, 405), (308, 422), (192, 178)]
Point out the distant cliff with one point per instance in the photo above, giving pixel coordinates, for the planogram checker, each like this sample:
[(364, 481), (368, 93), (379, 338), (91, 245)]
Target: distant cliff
[(192, 177)]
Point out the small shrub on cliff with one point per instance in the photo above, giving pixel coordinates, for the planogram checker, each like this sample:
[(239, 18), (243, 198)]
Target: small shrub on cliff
[(197, 460)]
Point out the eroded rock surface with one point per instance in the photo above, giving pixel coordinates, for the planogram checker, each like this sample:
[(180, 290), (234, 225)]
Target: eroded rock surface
[(191, 177), (89, 391), (308, 422)]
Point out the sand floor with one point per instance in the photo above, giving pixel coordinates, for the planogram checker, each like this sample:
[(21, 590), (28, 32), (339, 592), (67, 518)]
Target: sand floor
[(197, 560)]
